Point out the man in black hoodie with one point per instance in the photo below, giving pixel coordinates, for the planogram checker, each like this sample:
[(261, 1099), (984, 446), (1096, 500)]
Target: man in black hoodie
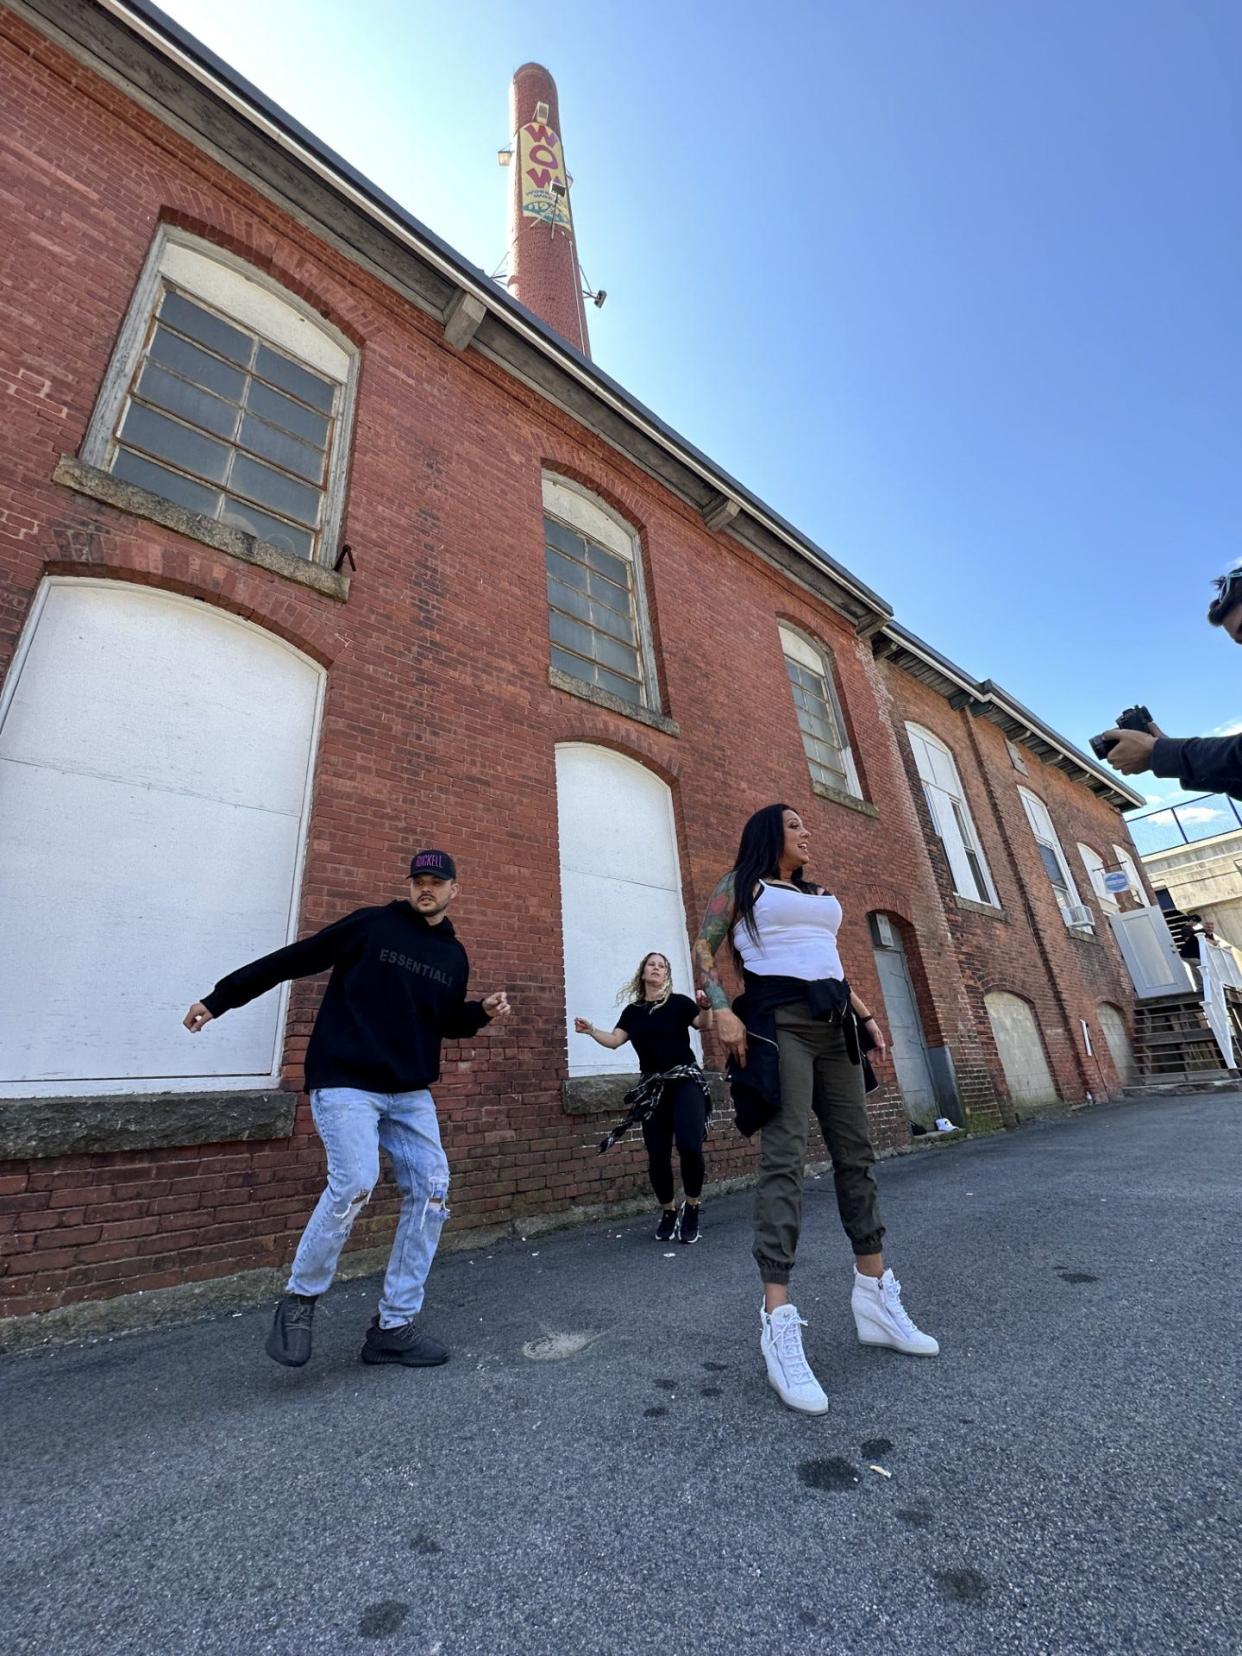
[(398, 988)]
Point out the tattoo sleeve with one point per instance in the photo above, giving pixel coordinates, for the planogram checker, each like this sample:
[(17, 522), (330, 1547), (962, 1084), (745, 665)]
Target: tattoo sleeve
[(712, 933)]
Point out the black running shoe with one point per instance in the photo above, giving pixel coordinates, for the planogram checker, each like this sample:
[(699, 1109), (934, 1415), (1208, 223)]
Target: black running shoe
[(290, 1339), (666, 1230), (407, 1344), (688, 1222)]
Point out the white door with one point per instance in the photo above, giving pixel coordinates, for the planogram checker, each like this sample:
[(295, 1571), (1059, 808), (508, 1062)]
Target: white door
[(1154, 965), (905, 1027), (155, 765), (1020, 1049), (620, 891)]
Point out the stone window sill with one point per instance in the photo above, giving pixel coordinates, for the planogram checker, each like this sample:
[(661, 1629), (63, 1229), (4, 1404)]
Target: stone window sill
[(850, 801), (34, 1128), (614, 704), (990, 910), (604, 1095), (1084, 934), (100, 485)]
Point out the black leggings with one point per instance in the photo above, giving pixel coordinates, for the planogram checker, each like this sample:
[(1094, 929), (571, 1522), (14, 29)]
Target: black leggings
[(680, 1117)]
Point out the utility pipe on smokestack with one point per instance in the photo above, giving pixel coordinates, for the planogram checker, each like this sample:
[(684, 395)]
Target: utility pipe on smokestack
[(543, 253)]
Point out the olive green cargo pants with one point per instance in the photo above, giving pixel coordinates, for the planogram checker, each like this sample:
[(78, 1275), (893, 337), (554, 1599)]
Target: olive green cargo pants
[(816, 1074)]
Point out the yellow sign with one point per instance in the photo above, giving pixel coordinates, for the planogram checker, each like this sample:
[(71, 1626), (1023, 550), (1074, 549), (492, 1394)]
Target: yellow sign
[(545, 188)]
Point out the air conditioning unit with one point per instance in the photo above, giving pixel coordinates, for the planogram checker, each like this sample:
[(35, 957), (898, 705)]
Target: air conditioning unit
[(1078, 914), (884, 931)]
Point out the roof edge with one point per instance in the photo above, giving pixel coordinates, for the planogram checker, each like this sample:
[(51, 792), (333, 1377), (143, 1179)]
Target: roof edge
[(987, 698), (153, 26)]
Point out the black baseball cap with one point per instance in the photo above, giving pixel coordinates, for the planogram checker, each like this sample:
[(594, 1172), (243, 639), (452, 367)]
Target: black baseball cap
[(436, 863)]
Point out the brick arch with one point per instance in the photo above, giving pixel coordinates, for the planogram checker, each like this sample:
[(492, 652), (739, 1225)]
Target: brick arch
[(625, 502), (599, 729), (202, 578), (929, 1016), (259, 252)]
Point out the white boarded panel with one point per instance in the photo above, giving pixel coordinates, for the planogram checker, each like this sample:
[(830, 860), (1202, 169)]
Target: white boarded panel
[(1020, 1049), (123, 897), (141, 899), (127, 682), (616, 818), (620, 891)]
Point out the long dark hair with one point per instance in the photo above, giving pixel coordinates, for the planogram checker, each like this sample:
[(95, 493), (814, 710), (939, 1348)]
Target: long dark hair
[(759, 858)]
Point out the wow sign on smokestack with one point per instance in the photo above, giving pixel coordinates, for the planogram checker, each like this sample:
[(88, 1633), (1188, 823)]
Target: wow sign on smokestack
[(539, 158)]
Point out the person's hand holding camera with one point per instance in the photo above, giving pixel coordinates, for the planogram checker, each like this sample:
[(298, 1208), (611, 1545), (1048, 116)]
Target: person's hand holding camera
[(1130, 750)]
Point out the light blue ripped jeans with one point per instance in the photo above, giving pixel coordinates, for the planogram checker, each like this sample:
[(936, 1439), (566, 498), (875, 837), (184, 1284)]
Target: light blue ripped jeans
[(355, 1126)]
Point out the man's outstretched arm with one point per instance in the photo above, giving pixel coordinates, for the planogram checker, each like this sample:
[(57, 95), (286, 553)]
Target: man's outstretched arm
[(306, 958)]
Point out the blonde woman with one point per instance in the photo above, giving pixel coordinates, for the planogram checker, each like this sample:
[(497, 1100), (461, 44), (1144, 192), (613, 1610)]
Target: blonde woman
[(672, 1101)]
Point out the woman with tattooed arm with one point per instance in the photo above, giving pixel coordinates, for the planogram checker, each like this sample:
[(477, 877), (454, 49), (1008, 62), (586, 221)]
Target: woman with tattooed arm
[(796, 1041)]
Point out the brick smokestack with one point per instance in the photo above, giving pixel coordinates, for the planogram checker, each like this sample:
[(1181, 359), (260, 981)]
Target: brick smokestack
[(543, 254)]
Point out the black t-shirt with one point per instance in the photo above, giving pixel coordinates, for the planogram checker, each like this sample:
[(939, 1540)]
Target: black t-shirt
[(660, 1035)]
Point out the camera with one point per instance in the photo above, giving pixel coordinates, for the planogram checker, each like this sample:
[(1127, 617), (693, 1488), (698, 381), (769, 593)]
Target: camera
[(1134, 718)]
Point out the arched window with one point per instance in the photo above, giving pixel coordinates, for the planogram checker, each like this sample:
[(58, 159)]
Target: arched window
[(597, 615), (156, 757), (820, 719), (951, 818), (1073, 912), (1094, 865), (228, 397), (620, 890), (1137, 888)]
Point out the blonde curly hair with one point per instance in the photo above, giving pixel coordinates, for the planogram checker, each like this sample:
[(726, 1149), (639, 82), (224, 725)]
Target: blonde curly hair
[(633, 990)]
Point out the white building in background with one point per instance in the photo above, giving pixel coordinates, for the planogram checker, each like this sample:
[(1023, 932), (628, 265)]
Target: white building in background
[(1193, 852)]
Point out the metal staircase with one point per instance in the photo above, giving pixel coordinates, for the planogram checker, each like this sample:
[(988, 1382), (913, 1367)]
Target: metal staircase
[(1175, 1050)]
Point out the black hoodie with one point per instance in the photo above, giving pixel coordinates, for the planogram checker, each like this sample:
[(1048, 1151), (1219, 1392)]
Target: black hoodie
[(398, 988)]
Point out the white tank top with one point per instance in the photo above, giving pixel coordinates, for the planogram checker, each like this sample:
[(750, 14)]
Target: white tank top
[(797, 936)]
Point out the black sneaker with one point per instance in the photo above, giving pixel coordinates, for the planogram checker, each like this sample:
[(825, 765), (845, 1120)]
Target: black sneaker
[(407, 1344), (666, 1230), (290, 1339), (688, 1222)]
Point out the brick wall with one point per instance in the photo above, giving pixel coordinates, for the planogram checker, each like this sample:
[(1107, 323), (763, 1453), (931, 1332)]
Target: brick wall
[(1024, 949), (440, 725)]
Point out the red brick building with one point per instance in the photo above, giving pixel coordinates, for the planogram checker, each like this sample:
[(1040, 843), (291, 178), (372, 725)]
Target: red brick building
[(563, 643)]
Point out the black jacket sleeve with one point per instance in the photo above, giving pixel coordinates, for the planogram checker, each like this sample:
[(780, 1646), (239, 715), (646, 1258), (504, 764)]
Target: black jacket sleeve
[(305, 958), (1213, 764), (466, 1018)]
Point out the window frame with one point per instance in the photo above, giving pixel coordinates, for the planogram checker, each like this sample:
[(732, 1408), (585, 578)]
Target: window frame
[(973, 856), (1048, 839), (1094, 864), (815, 657), (583, 513), (300, 325), (1137, 889)]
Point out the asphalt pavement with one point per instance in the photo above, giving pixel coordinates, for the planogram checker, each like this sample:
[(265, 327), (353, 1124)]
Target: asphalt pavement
[(602, 1466)]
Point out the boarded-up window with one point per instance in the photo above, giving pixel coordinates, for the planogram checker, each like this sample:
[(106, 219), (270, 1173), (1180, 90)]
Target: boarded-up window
[(620, 890), (155, 769), (1021, 1049), (1117, 1037)]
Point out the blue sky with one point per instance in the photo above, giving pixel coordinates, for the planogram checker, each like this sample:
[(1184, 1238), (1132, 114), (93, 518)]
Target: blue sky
[(952, 286)]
